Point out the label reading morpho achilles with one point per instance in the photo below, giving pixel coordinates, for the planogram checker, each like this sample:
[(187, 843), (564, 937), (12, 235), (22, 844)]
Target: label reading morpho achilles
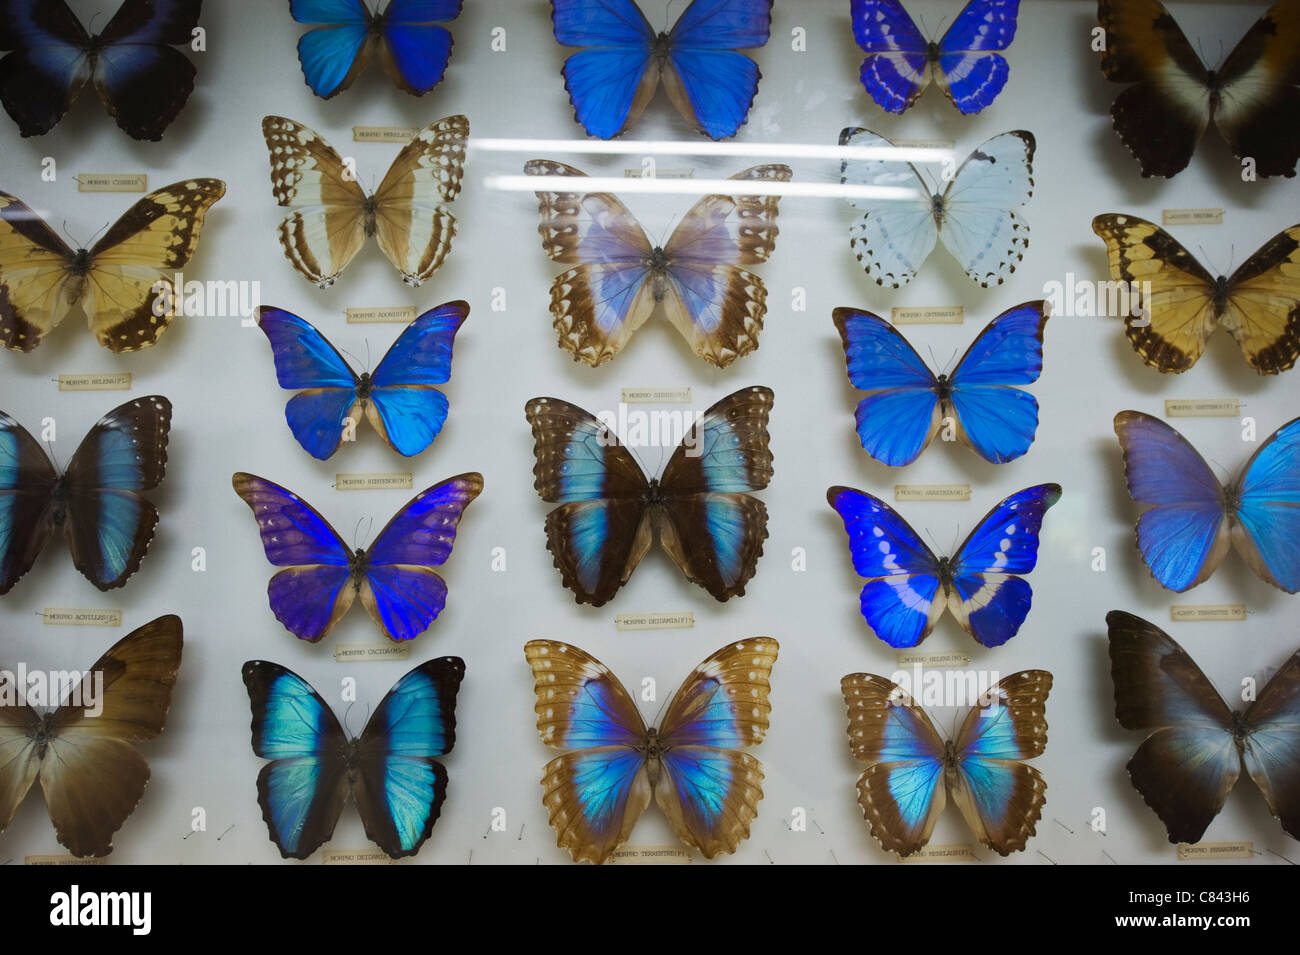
[(384, 134), (114, 381), (73, 617), (650, 855), (655, 621), (928, 315), (367, 856), (112, 182), (1202, 407), (371, 652), (941, 854), (383, 314), (1190, 613), (404, 481), (634, 396), (1191, 217), (931, 492), (1191, 852)]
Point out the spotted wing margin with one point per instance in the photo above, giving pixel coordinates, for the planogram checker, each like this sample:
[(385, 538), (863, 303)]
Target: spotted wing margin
[(1263, 311), (327, 226), (413, 228)]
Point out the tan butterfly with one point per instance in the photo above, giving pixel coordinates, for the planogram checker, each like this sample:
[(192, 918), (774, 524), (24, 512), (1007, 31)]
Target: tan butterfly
[(91, 775), (1259, 304), (120, 284), (332, 215)]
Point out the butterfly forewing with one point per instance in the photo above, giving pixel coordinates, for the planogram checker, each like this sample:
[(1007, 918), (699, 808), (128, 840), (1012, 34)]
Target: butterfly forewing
[(26, 484), (980, 225), (1268, 509)]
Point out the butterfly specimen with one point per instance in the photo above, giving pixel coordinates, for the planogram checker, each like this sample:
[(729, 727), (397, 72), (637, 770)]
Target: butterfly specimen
[(692, 764), (390, 771), (332, 215), (911, 769), (123, 284), (613, 79), (974, 216), (394, 576), (697, 279), (908, 404), (95, 503), (610, 513), (1259, 304), (901, 600), (50, 59), (399, 398), (1190, 521), (1196, 746), (1253, 98), (966, 64), (407, 37), (91, 775)]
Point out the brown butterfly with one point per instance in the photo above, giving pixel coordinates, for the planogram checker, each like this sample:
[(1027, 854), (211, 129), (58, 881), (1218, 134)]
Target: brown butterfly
[(91, 775), (123, 284)]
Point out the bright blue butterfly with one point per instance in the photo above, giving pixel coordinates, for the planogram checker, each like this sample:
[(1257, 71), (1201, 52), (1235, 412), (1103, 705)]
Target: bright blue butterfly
[(1190, 521), (908, 404), (708, 80), (902, 601), (390, 770), (693, 764), (412, 47), (913, 770), (966, 64), (399, 399), (394, 576)]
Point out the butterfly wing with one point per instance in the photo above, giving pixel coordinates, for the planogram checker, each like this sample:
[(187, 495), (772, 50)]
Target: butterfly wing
[(404, 406), (600, 531), (413, 226), (327, 225), (416, 46), (1271, 748), (999, 421), (316, 588), (1000, 797), (92, 777), (717, 305), (980, 225), (303, 788), (710, 82), (901, 414), (19, 759), (710, 525), (334, 54), (894, 236), (1186, 766), (902, 790), (611, 81), (45, 66), (599, 303), (900, 600), (1183, 531), (35, 288), (971, 70), (402, 786), (1259, 93), (988, 599), (400, 590), (595, 794), (1268, 509), (709, 789), (27, 481), (896, 70), (1263, 304)]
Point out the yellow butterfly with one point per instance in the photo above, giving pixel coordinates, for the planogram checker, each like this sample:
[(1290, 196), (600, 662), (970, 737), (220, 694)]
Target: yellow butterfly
[(120, 284), (332, 216), (1259, 304)]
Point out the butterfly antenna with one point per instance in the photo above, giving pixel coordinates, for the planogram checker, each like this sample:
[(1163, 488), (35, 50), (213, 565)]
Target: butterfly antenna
[(355, 357), (667, 12), (356, 534)]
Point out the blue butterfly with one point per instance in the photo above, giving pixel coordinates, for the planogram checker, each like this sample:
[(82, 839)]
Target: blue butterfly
[(693, 764), (390, 770), (902, 601), (901, 62), (394, 576), (913, 770), (708, 80), (908, 404), (399, 399), (1190, 521), (412, 48)]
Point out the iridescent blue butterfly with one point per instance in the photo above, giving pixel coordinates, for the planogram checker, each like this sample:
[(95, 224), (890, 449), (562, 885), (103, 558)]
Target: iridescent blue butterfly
[(95, 503), (902, 601), (710, 82), (133, 66), (390, 770), (912, 770), (412, 46), (691, 765), (394, 575), (966, 64), (1190, 521), (907, 404), (1197, 746), (399, 399), (610, 514)]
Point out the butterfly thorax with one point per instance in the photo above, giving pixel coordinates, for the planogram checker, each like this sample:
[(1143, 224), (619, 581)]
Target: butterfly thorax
[(44, 734), (946, 574), (358, 564), (933, 52), (80, 264), (660, 49), (653, 495), (657, 264), (368, 210), (365, 385), (59, 501), (1220, 295), (937, 209), (652, 752), (1240, 731), (943, 387)]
